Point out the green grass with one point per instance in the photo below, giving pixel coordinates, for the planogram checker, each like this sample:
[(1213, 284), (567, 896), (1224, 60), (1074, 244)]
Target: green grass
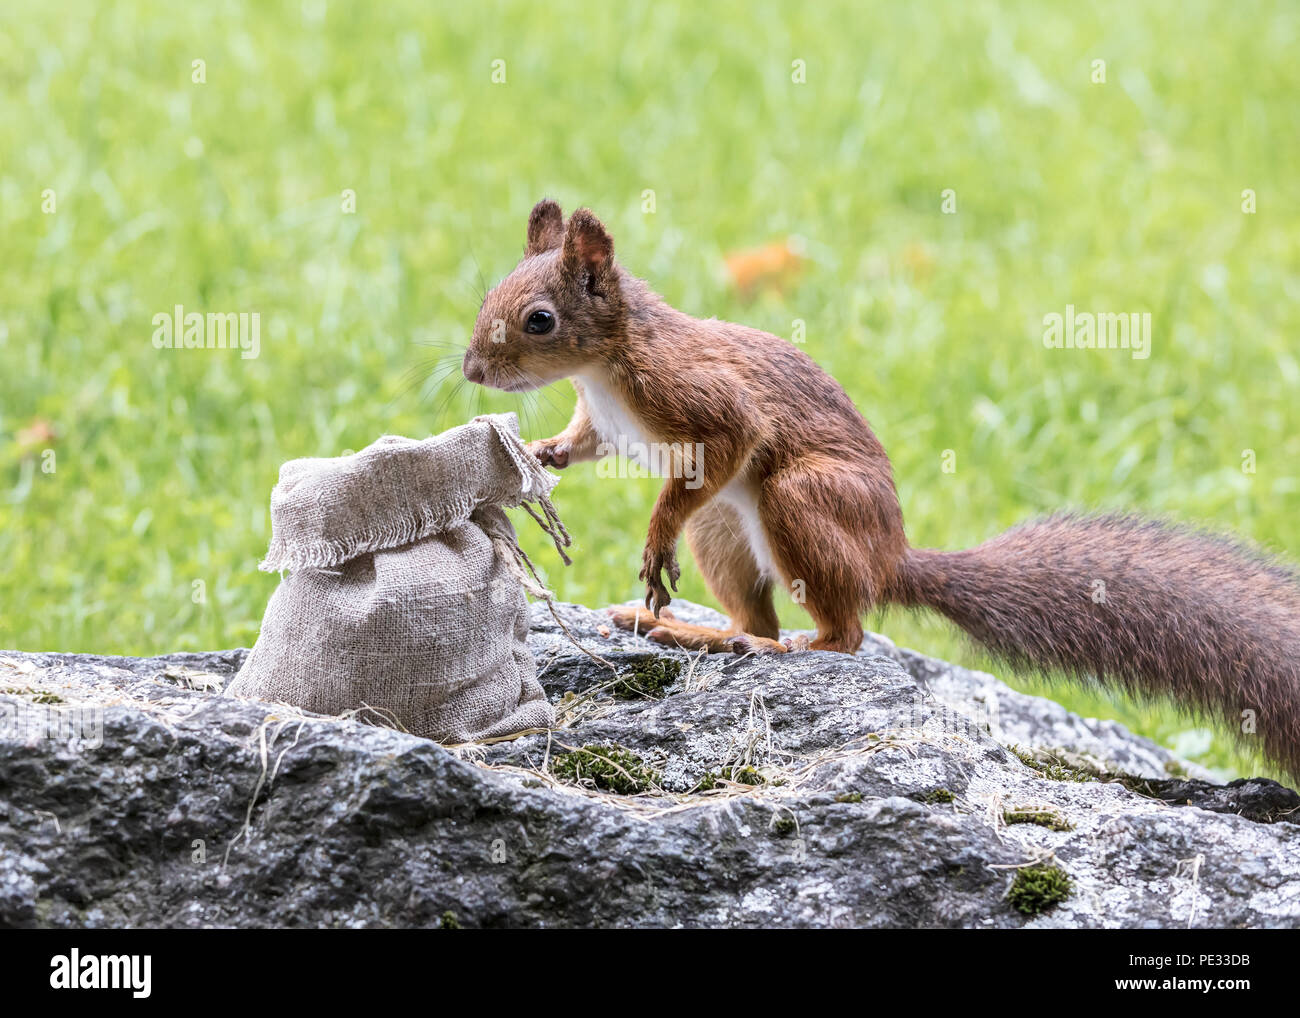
[(226, 196)]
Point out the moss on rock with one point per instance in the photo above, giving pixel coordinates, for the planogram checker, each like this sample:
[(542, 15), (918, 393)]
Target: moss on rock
[(1051, 818), (1038, 888), (608, 768), (649, 676)]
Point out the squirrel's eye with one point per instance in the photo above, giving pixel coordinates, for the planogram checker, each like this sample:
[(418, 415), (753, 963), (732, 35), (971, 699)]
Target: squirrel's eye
[(540, 323)]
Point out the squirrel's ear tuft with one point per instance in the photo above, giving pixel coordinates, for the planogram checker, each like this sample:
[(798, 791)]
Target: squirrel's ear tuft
[(588, 248), (545, 227)]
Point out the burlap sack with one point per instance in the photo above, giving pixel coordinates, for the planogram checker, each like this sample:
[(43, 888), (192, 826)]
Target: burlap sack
[(405, 600)]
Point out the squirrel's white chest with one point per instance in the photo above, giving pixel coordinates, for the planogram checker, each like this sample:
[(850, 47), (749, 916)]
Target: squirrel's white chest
[(626, 436), (616, 425)]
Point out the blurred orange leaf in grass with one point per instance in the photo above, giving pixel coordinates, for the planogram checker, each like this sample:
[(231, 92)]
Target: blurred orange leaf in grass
[(36, 437), (773, 265)]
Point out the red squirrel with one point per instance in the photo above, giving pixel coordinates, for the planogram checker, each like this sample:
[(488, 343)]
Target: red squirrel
[(792, 487)]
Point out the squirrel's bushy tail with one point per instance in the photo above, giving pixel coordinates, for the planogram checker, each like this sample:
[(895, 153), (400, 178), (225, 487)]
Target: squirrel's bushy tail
[(1156, 609)]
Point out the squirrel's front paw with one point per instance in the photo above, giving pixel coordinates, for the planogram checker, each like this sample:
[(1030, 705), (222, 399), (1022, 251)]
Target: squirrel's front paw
[(551, 452), (653, 564)]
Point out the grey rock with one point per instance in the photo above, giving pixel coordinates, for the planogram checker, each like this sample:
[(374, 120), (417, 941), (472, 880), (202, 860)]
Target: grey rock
[(133, 792), (1257, 799)]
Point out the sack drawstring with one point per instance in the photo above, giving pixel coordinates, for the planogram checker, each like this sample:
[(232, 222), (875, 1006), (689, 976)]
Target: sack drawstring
[(535, 485), (520, 566)]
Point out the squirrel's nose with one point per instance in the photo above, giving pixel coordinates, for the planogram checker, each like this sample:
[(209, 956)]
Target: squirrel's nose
[(472, 368)]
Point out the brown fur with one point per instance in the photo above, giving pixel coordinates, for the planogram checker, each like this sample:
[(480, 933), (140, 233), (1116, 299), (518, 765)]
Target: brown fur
[(1213, 625)]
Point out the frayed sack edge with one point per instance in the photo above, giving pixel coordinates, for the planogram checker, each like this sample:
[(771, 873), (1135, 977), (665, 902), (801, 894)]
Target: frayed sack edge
[(535, 487)]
